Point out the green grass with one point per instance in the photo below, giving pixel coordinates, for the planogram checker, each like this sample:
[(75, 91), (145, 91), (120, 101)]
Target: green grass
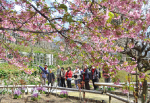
[(13, 69), (28, 49), (8, 67)]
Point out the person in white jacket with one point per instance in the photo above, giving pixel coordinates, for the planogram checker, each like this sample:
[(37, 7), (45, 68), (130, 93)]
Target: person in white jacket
[(77, 74)]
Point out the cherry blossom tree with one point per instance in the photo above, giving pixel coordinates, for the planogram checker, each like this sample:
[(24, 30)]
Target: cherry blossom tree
[(90, 28)]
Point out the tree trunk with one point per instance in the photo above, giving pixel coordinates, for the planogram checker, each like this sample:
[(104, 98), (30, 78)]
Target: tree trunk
[(144, 92), (31, 55)]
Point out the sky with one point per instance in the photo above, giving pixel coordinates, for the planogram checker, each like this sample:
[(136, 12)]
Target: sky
[(66, 25), (17, 8)]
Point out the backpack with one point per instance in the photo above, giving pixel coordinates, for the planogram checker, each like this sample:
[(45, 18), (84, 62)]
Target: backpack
[(87, 76)]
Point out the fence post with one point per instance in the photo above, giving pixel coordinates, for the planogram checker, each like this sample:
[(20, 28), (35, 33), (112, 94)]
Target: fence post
[(27, 91), (48, 91), (109, 99), (12, 91), (83, 95)]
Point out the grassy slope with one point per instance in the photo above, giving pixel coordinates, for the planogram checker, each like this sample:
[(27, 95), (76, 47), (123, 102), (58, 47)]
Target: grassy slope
[(122, 74), (7, 68), (28, 49)]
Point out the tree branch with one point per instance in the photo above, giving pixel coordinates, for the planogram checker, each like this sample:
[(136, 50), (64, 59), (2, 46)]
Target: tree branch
[(1, 28), (145, 54), (26, 21)]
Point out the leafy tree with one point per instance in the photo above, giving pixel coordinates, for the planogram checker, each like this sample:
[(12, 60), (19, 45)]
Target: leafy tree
[(91, 29)]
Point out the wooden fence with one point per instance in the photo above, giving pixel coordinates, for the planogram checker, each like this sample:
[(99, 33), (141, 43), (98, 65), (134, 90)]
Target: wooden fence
[(70, 89)]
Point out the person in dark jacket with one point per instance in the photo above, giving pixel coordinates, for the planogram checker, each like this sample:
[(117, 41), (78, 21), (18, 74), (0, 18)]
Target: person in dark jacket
[(81, 77), (62, 77), (50, 77), (86, 77), (94, 76)]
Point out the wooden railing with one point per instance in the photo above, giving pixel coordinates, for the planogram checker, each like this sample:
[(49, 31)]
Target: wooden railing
[(119, 98), (74, 89), (70, 89)]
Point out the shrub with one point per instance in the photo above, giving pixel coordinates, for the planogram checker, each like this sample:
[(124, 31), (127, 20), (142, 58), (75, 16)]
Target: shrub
[(39, 89), (63, 94), (35, 96), (22, 89), (17, 94), (72, 85), (91, 86), (111, 89), (3, 92), (3, 74)]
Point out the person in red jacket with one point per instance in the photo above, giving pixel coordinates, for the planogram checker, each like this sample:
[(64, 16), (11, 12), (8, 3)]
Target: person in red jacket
[(69, 77)]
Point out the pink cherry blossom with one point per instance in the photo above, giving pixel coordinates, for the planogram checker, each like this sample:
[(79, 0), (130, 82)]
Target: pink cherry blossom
[(75, 61), (62, 48), (85, 30)]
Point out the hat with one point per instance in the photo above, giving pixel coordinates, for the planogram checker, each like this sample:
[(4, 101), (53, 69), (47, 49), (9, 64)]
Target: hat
[(46, 65)]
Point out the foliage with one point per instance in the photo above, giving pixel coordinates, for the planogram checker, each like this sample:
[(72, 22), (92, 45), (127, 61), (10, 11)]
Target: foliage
[(5, 82), (111, 88), (22, 89), (93, 33), (17, 94), (91, 86), (28, 49), (4, 91), (35, 96), (44, 92), (72, 85), (41, 89), (63, 94), (6, 70)]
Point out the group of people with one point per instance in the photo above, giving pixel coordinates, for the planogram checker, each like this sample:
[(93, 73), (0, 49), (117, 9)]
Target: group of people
[(80, 76)]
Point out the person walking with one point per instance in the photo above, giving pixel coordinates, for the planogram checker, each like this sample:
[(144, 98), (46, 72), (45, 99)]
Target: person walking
[(86, 77), (77, 74), (106, 77), (105, 73), (50, 77), (62, 77), (69, 77), (43, 74), (58, 76), (94, 76)]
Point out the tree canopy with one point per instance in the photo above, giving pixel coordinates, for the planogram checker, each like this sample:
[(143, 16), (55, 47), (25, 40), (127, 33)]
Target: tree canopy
[(90, 29)]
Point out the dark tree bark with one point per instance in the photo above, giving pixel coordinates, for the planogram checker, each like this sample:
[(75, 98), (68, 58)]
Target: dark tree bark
[(139, 53), (144, 92)]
